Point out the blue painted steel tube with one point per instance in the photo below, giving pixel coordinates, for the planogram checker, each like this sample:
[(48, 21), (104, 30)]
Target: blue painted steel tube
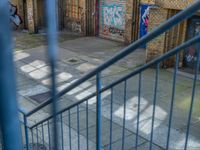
[(138, 111), (78, 127), (70, 135), (154, 105), (52, 53), (111, 118), (26, 132), (87, 126), (49, 134), (98, 113), (124, 114), (193, 98), (9, 121), (172, 100), (188, 12), (135, 72)]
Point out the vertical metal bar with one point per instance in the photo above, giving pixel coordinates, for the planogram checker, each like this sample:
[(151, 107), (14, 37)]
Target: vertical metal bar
[(98, 108), (70, 141), (9, 121), (138, 111), (61, 120), (52, 53), (87, 126), (124, 118), (193, 97), (78, 127), (111, 117), (32, 139), (42, 135), (154, 105), (37, 138), (49, 134), (26, 132), (172, 100)]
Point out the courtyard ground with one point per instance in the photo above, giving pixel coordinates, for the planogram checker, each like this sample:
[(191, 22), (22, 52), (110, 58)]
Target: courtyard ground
[(79, 55)]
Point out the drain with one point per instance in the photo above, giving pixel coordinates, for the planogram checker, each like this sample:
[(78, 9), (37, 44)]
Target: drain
[(42, 97), (73, 61)]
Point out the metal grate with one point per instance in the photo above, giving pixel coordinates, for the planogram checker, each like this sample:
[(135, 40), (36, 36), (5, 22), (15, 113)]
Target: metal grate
[(42, 97)]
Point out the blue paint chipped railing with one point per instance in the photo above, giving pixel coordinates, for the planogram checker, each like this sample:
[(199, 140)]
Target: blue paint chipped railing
[(47, 131)]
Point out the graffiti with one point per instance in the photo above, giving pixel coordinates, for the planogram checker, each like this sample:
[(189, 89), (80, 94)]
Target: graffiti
[(112, 30), (144, 20), (114, 16), (14, 17), (191, 55), (76, 27)]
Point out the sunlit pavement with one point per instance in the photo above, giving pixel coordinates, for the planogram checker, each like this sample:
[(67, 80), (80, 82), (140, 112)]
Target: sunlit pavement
[(79, 56)]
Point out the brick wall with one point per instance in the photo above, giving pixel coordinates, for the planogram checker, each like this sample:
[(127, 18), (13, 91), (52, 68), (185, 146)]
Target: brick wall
[(174, 4), (167, 41), (156, 47)]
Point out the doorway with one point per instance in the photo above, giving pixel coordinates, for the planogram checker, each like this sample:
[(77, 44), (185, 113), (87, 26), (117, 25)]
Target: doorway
[(190, 54), (91, 15)]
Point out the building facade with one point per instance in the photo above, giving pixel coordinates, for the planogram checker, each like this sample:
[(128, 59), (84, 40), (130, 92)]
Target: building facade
[(163, 10), (119, 20)]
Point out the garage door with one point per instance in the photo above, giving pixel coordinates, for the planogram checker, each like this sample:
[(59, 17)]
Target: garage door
[(112, 19)]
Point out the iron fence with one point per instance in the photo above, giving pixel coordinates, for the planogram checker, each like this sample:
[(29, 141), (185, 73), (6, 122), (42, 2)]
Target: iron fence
[(63, 128)]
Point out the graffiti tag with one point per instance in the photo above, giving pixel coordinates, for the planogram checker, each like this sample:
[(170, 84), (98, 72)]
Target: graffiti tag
[(113, 15), (76, 27), (14, 17), (113, 30)]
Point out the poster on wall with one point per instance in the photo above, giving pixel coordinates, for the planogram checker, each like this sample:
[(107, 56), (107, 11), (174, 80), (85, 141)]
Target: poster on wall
[(144, 20)]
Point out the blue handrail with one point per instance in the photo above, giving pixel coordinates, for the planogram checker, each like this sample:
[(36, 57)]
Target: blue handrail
[(135, 72), (186, 13)]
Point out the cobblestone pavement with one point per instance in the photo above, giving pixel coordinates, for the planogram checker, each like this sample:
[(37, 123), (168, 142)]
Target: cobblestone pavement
[(76, 58)]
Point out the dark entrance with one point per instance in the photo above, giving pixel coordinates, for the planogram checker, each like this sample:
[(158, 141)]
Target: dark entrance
[(190, 54), (25, 14), (90, 17)]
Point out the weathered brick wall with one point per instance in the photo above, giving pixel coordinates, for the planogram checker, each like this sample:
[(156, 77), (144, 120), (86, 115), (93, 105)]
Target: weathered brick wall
[(174, 4), (74, 19), (151, 2), (156, 47), (167, 41), (30, 16)]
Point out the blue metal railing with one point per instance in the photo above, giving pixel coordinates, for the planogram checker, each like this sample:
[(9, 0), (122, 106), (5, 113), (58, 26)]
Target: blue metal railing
[(54, 139)]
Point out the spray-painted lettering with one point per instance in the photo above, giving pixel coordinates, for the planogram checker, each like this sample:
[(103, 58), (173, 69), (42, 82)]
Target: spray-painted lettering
[(114, 16)]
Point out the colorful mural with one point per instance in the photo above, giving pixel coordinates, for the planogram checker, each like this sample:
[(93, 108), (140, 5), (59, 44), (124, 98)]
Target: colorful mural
[(113, 16), (112, 19)]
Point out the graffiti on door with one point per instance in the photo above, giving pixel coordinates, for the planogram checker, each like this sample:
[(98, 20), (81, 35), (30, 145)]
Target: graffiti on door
[(14, 17), (114, 19)]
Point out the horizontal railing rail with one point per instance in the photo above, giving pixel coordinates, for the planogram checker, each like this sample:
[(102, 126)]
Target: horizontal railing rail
[(133, 73), (186, 13)]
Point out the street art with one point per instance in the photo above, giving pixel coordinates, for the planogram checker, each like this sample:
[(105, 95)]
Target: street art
[(113, 30), (113, 19), (14, 17), (144, 20), (113, 16)]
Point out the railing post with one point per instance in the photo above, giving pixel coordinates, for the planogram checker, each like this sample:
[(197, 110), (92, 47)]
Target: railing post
[(98, 114), (26, 132), (9, 121)]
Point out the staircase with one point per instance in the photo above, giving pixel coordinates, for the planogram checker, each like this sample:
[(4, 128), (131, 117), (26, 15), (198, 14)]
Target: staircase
[(89, 123)]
